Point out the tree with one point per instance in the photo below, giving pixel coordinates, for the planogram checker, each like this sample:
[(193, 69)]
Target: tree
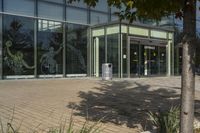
[(156, 9)]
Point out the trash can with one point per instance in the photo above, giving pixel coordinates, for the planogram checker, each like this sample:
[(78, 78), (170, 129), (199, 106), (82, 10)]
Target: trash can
[(107, 71)]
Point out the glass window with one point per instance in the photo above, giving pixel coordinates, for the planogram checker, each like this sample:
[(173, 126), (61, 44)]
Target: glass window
[(50, 47), (55, 1), (76, 15), (98, 18), (114, 18), (101, 6), (18, 45), (49, 10), (0, 5), (76, 49), (24, 7), (77, 4), (112, 52)]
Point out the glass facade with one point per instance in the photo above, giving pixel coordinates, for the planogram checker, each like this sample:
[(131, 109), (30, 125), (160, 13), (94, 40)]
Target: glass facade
[(133, 50), (37, 41)]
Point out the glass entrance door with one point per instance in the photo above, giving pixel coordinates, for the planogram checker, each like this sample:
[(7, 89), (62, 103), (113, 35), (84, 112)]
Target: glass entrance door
[(150, 60), (147, 60), (134, 60)]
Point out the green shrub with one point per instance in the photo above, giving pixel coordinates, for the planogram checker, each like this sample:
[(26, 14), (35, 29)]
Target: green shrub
[(86, 128), (166, 121), (63, 128)]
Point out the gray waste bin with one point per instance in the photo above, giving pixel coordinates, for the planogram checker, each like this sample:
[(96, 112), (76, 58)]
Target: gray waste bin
[(107, 71)]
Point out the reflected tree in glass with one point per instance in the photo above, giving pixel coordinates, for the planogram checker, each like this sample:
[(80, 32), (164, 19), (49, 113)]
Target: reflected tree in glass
[(76, 53), (50, 44), (18, 46)]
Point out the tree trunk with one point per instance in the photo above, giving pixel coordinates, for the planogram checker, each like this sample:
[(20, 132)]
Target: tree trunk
[(188, 67)]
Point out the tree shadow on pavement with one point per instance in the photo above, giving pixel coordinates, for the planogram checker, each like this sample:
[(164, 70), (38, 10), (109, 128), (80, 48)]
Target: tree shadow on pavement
[(124, 103)]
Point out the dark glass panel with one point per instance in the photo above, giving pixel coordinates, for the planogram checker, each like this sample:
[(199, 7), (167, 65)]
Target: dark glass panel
[(112, 54), (101, 53), (134, 59), (50, 44), (76, 53), (18, 45), (180, 60), (163, 60), (153, 60)]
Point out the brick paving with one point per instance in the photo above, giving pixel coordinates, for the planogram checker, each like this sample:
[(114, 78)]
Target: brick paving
[(39, 104)]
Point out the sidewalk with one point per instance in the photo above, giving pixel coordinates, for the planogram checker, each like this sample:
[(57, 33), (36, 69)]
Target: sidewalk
[(40, 104)]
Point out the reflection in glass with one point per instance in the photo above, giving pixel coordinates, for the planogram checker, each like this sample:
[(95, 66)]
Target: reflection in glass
[(25, 7), (150, 60), (18, 45), (45, 10), (50, 44), (147, 60), (76, 53), (98, 18), (101, 6), (76, 15)]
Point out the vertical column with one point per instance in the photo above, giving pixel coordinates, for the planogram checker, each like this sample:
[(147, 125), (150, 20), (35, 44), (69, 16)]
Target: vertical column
[(106, 45), (146, 56), (89, 52), (169, 58), (35, 47), (64, 49), (96, 57), (177, 60), (1, 48), (127, 53), (121, 56), (128, 57), (172, 55), (64, 39), (35, 39), (120, 51)]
